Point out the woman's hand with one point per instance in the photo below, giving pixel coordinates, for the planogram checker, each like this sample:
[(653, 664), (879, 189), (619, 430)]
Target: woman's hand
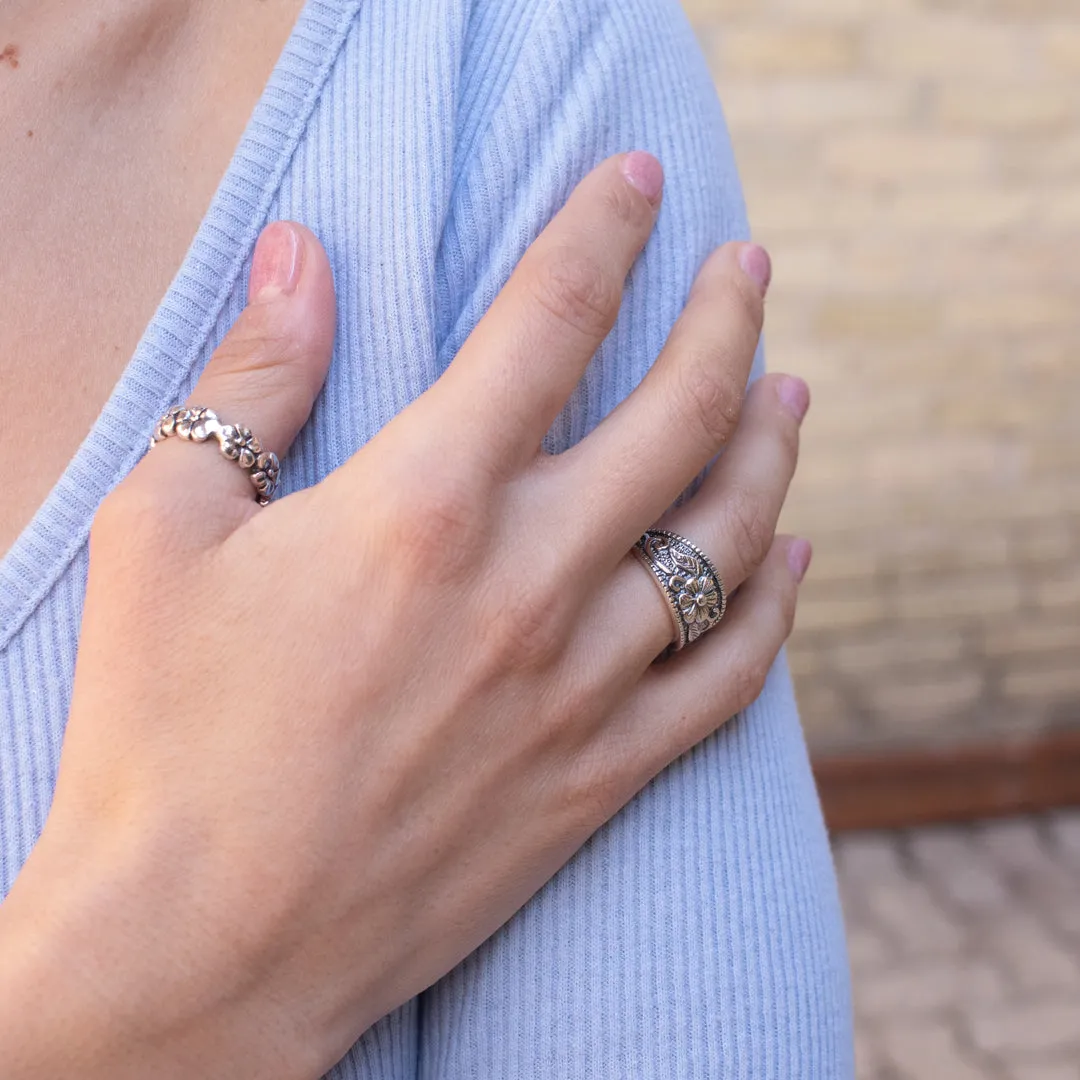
[(318, 752)]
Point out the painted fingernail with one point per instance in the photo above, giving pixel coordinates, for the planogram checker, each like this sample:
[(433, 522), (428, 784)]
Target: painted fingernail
[(757, 266), (795, 395), (799, 555), (276, 264), (645, 173)]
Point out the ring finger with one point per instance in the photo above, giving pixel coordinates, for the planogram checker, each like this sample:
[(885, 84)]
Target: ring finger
[(732, 519)]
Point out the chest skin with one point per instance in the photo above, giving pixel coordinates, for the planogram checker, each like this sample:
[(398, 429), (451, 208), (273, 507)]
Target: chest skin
[(117, 120)]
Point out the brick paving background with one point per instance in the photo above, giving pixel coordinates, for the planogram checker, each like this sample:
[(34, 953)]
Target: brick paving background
[(965, 950), (914, 167)]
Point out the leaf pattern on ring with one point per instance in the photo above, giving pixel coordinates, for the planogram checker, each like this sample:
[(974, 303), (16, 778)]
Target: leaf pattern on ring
[(684, 561)]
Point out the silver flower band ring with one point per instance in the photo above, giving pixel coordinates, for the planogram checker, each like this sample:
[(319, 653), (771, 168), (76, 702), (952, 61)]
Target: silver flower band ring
[(688, 580), (196, 424)]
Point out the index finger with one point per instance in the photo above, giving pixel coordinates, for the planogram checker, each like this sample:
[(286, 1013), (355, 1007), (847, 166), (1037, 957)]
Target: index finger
[(519, 366)]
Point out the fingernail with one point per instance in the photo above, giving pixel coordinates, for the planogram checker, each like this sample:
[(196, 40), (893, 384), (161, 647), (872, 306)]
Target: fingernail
[(799, 555), (276, 264), (645, 173), (757, 266), (795, 395)]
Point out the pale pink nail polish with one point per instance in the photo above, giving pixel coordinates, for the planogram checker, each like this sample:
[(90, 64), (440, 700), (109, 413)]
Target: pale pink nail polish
[(276, 264), (795, 395), (645, 173), (799, 555), (757, 266)]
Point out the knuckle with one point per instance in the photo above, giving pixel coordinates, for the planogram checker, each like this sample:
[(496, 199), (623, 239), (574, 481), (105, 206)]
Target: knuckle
[(435, 530), (581, 702), (712, 402), (526, 628), (574, 288), (750, 528), (255, 331), (253, 347)]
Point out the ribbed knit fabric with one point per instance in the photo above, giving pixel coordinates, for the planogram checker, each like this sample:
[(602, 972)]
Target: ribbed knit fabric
[(426, 142)]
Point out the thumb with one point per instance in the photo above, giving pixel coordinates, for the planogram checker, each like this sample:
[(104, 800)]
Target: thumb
[(264, 376)]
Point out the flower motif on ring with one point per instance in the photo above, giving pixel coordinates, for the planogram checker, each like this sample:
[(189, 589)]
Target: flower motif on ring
[(194, 424), (265, 475), (240, 445), (166, 426), (698, 600)]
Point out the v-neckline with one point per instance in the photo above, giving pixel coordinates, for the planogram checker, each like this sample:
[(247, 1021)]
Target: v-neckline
[(177, 334)]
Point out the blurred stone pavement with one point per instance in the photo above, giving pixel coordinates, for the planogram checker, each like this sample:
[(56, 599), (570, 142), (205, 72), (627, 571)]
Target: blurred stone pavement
[(965, 949)]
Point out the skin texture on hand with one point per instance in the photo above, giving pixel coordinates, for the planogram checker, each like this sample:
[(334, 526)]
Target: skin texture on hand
[(318, 752)]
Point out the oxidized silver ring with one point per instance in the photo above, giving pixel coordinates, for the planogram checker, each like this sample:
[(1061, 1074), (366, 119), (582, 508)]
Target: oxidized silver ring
[(691, 586), (196, 424)]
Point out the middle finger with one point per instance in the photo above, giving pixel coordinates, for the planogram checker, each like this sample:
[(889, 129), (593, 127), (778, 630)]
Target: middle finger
[(686, 409)]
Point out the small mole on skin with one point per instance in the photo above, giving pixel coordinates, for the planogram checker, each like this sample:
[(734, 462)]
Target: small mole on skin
[(29, 134), (10, 56)]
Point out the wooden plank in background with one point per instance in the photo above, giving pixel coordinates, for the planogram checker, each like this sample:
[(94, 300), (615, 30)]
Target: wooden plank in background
[(896, 789)]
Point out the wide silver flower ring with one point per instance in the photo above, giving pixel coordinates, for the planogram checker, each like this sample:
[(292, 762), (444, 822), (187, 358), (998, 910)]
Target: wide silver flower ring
[(688, 580), (236, 442)]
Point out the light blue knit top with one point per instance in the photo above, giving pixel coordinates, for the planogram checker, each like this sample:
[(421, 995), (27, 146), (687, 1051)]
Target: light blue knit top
[(426, 142)]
